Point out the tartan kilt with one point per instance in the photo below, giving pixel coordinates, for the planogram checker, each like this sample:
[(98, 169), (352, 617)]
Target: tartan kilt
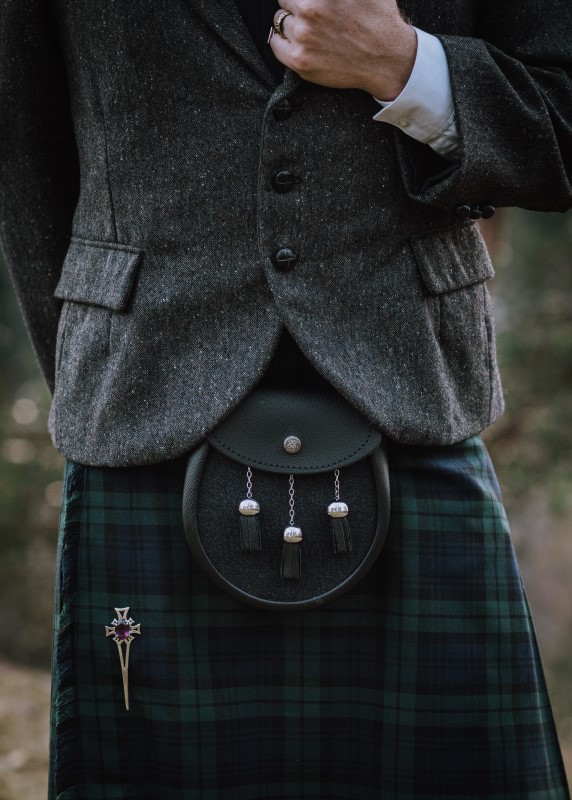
[(423, 681)]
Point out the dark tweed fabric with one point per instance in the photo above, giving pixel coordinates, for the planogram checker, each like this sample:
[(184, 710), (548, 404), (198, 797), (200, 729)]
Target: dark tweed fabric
[(139, 140), (423, 682)]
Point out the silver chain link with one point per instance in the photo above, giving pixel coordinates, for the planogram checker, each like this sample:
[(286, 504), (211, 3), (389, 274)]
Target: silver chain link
[(337, 485), (291, 502), (249, 483)]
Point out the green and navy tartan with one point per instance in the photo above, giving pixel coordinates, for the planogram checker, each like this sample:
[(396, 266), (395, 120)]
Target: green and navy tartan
[(423, 681)]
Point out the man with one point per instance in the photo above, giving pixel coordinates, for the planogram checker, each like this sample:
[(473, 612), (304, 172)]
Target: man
[(188, 203)]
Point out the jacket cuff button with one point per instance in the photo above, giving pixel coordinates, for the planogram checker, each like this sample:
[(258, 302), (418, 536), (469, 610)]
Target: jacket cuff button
[(463, 212), (476, 213), (487, 211)]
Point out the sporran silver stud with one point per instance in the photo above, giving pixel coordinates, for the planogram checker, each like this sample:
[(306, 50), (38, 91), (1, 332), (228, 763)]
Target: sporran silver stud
[(338, 511), (249, 508), (292, 445)]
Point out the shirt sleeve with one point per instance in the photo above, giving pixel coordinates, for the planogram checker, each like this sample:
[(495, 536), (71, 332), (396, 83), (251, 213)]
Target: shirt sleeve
[(424, 110)]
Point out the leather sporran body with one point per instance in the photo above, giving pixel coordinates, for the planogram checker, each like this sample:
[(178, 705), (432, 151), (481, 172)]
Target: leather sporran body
[(310, 476)]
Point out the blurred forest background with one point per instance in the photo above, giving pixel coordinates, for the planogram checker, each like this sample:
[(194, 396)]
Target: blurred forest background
[(531, 447)]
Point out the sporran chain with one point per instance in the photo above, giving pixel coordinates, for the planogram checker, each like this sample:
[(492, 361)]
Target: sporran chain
[(291, 501)]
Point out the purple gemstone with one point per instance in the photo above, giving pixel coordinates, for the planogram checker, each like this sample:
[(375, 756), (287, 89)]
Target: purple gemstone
[(123, 631)]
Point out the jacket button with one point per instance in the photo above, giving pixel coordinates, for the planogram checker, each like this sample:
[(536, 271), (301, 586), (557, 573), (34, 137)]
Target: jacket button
[(283, 110), (284, 259), (284, 181), (463, 212), (487, 211), (476, 213)]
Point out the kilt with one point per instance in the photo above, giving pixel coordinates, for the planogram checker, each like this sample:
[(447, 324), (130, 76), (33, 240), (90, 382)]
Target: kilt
[(423, 681)]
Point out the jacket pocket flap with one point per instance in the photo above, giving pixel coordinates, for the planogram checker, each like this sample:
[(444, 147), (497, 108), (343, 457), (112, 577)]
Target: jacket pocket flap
[(452, 259), (98, 273)]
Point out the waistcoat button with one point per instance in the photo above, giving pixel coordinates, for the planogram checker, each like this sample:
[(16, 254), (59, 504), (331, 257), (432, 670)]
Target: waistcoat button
[(284, 181), (284, 259), (283, 110)]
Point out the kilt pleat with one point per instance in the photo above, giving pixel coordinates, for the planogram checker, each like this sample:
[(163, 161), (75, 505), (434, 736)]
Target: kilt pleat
[(423, 681)]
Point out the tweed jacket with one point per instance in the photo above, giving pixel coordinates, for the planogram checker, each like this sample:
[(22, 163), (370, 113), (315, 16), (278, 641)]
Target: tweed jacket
[(141, 217)]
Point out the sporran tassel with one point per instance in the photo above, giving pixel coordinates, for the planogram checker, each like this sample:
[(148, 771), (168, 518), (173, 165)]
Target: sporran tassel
[(341, 531), (250, 538), (291, 567)]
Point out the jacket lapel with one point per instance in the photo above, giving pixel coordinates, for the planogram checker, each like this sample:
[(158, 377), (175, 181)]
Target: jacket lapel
[(224, 18)]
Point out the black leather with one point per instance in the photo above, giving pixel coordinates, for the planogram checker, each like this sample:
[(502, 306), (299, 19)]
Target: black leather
[(333, 434)]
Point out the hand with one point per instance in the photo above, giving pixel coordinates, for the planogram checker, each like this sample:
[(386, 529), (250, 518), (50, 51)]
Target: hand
[(365, 44)]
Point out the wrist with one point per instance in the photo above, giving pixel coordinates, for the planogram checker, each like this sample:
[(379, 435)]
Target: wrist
[(388, 74)]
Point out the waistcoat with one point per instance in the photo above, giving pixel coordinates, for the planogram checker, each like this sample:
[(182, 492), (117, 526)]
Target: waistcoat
[(288, 366)]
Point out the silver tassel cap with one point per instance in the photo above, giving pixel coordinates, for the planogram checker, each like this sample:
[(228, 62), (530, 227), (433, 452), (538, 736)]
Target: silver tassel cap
[(292, 534), (338, 509), (249, 507)]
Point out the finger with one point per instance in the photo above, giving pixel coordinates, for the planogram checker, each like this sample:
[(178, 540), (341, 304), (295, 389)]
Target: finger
[(288, 5), (279, 48), (278, 45)]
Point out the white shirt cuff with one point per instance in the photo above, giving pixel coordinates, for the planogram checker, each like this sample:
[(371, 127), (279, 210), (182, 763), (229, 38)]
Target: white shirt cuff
[(424, 110)]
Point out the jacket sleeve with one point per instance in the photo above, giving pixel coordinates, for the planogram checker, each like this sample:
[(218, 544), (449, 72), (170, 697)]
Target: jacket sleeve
[(512, 91), (39, 173)]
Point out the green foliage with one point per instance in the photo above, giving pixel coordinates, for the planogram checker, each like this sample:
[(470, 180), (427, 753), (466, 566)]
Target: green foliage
[(532, 444), (30, 475)]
